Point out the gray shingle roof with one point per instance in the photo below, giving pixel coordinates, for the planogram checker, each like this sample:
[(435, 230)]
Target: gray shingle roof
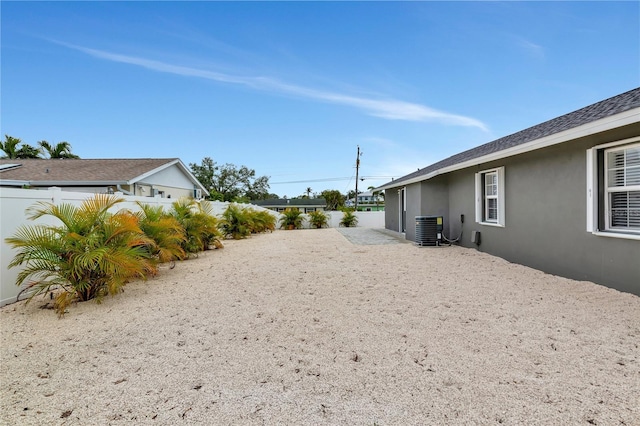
[(80, 170), (597, 111), (292, 202)]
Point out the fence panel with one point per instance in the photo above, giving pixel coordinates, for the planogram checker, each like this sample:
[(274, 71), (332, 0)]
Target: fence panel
[(14, 203), (365, 219)]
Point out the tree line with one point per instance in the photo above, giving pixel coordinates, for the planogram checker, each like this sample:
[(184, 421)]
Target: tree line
[(229, 182)]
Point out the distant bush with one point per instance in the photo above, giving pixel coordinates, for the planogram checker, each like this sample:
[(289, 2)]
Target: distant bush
[(349, 218), (318, 219), (291, 218), (240, 222), (199, 224), (236, 222), (263, 221)]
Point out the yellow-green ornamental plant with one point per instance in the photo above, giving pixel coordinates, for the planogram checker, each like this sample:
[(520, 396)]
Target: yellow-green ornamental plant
[(263, 221), (199, 224), (318, 219), (165, 232), (236, 222), (291, 218), (349, 218), (240, 222), (92, 252)]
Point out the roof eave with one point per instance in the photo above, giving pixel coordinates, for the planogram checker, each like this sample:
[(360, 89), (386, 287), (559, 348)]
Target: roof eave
[(170, 163), (13, 182), (631, 116), (64, 182)]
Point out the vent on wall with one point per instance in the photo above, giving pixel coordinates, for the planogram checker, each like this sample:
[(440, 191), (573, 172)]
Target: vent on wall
[(429, 230)]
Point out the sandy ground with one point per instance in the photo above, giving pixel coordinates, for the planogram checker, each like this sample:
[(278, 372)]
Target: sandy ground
[(306, 327)]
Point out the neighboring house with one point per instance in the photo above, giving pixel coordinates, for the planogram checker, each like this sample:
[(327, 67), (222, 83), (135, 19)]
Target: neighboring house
[(305, 205), (562, 196), (367, 202), (166, 177)]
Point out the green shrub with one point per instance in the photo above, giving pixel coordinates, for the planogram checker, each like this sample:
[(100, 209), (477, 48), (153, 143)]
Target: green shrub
[(291, 218), (263, 221), (199, 224), (349, 219), (166, 233), (240, 222), (91, 254), (318, 219), (236, 222)]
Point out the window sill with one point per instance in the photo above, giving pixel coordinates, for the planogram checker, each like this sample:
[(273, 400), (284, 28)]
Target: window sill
[(497, 225), (617, 235)]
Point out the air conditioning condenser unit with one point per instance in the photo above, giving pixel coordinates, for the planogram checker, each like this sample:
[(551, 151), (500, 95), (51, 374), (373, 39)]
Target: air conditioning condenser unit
[(429, 230)]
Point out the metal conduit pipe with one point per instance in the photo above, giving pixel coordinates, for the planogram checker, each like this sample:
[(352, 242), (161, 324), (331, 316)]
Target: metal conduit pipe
[(124, 191)]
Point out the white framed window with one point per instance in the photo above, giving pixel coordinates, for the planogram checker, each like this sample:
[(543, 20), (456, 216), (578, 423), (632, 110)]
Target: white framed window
[(613, 189), (622, 187), (490, 197)]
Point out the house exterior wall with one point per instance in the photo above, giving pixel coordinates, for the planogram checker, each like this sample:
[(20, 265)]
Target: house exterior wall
[(391, 221), (145, 190), (545, 214), (435, 198), (414, 206), (172, 192), (428, 198), (171, 181), (171, 177)]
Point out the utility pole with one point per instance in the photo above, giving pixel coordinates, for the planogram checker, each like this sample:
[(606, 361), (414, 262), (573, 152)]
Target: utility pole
[(357, 167)]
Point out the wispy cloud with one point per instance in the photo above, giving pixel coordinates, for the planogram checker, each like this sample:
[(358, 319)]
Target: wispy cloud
[(532, 48), (385, 108)]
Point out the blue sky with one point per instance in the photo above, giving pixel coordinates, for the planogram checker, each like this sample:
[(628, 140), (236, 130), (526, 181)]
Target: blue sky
[(290, 89)]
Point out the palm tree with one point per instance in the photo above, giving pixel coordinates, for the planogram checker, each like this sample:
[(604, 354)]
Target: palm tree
[(164, 230), (10, 146), (59, 150), (199, 223), (291, 218), (11, 150), (28, 151), (308, 191), (91, 254)]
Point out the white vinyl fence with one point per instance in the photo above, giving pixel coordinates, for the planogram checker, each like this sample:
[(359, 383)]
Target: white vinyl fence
[(14, 203), (365, 219)]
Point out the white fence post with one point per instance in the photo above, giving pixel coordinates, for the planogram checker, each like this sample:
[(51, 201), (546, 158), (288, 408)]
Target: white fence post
[(56, 195)]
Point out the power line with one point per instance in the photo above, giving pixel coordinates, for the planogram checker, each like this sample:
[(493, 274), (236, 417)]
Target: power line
[(312, 180), (334, 179)]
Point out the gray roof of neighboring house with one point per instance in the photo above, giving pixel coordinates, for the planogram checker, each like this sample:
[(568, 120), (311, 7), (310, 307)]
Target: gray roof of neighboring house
[(606, 108), (293, 202), (83, 172)]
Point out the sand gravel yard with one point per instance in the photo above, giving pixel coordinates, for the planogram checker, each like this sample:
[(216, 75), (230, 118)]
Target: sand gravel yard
[(308, 327)]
